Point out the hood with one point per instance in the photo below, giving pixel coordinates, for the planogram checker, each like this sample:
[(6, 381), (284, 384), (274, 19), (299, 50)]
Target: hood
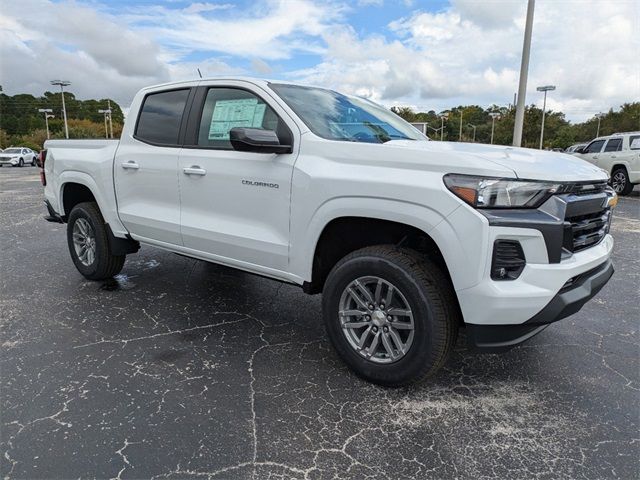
[(526, 163), (7, 156)]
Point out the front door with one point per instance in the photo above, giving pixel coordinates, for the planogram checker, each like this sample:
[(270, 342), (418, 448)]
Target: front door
[(146, 170), (235, 205)]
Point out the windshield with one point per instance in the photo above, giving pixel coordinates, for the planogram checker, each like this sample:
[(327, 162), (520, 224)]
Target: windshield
[(12, 150), (334, 116)]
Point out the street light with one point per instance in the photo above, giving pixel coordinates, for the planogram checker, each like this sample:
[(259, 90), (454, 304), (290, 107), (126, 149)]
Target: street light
[(107, 113), (545, 89), (474, 131), (47, 116), (63, 83), (599, 117), (443, 117), (493, 116), (524, 71)]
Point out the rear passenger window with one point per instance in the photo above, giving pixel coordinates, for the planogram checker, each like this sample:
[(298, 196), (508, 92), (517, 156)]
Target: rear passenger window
[(613, 145), (634, 142), (226, 108), (160, 117), (594, 147)]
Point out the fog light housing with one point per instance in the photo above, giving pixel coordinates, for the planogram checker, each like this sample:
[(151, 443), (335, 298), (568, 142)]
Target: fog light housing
[(508, 260)]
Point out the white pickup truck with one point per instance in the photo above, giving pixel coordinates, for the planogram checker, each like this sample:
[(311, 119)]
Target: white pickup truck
[(407, 239)]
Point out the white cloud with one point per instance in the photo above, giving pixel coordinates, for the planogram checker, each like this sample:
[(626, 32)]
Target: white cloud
[(468, 52)]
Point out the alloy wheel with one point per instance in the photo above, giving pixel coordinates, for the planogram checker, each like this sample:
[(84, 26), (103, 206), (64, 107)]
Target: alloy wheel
[(376, 319)]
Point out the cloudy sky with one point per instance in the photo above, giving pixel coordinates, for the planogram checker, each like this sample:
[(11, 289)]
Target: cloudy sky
[(431, 54)]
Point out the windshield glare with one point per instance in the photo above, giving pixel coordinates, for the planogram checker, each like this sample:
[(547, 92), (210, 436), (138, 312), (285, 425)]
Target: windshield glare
[(334, 116)]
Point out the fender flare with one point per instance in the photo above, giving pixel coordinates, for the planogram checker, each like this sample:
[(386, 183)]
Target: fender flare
[(415, 215), (109, 214)]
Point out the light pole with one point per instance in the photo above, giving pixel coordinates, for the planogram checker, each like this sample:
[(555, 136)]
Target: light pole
[(110, 124), (545, 89), (47, 116), (599, 117), (107, 113), (63, 83), (474, 131), (461, 115), (443, 117), (493, 116), (524, 71)]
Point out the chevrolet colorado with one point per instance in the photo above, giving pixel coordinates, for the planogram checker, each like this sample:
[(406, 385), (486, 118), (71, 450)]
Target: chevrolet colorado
[(407, 239)]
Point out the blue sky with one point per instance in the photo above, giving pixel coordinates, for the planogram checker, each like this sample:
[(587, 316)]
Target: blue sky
[(424, 54)]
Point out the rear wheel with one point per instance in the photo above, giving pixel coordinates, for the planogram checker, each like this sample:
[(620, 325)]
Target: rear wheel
[(89, 244), (390, 314), (620, 181), (33, 161)]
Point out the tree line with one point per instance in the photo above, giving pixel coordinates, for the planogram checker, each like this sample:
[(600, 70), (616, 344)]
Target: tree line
[(558, 132), (22, 125)]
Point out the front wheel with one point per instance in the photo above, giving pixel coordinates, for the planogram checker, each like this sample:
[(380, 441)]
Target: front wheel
[(21, 162), (620, 181), (89, 244), (391, 314)]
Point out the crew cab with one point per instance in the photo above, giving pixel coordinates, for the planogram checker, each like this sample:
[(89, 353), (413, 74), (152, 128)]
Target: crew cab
[(619, 155), (408, 239)]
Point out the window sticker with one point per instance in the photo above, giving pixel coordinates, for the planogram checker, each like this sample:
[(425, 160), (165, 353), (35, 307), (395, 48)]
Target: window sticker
[(227, 114)]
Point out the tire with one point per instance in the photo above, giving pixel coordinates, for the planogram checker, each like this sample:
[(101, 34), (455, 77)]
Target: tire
[(620, 181), (86, 220), (21, 163), (33, 162), (424, 291)]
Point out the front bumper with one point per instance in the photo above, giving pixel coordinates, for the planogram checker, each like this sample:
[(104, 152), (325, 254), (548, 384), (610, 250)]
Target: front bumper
[(12, 162), (572, 296)]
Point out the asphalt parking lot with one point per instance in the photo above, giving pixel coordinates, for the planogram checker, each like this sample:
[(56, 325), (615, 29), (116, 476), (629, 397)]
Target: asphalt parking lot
[(182, 369)]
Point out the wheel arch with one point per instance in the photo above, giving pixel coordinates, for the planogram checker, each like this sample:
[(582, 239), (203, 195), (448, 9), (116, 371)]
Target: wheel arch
[(75, 187)]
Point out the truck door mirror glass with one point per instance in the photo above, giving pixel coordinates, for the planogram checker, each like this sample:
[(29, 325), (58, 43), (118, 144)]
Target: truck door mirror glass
[(257, 140)]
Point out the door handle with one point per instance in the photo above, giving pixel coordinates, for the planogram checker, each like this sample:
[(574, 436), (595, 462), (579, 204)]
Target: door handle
[(614, 156), (194, 170), (130, 165)]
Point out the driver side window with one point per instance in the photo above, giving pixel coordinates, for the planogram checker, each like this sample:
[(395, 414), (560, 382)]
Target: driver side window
[(226, 108)]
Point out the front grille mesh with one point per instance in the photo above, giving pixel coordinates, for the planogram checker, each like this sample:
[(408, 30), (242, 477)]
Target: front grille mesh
[(588, 230)]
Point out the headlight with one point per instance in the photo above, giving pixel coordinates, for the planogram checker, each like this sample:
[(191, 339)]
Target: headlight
[(489, 192)]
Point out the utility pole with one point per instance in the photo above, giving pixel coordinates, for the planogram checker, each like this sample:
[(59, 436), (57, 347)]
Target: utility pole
[(524, 72), (493, 116), (599, 117), (47, 116), (443, 117), (474, 131), (461, 115), (545, 89), (106, 113), (110, 123), (63, 83)]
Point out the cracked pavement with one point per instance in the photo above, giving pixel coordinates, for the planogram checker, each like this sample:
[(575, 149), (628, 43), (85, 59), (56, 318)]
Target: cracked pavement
[(180, 369)]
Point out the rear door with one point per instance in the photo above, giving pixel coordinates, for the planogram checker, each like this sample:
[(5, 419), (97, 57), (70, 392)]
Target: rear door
[(146, 168), (235, 205), (612, 150)]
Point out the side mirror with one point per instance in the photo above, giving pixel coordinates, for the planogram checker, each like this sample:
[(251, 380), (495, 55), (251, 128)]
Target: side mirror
[(579, 150), (256, 140)]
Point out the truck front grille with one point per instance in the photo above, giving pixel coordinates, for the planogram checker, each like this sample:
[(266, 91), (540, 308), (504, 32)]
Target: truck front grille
[(587, 230)]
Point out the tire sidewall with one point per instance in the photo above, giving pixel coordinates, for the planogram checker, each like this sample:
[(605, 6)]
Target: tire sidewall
[(80, 212), (628, 186), (421, 352), (21, 163)]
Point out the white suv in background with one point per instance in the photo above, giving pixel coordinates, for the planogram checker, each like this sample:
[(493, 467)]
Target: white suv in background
[(618, 154)]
